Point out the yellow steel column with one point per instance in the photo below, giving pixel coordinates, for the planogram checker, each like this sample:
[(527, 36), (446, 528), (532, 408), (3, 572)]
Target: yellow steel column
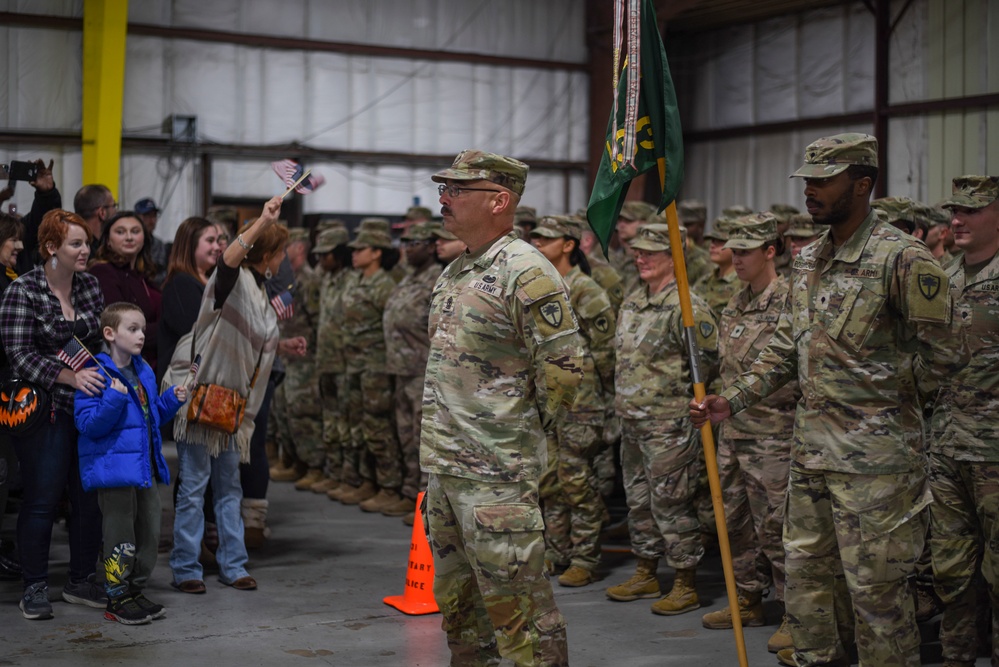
[(104, 28)]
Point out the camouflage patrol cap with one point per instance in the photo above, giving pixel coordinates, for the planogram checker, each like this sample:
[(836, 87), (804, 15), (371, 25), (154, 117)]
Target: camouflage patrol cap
[(897, 209), (937, 215), (973, 192), (783, 212), (475, 165), (752, 231), (418, 213), (329, 239), (224, 215), (525, 215), (691, 210), (736, 211), (371, 238), (802, 227), (652, 238), (720, 228), (829, 156), (374, 225), (420, 231), (439, 232), (330, 223), (297, 234), (556, 227), (635, 210)]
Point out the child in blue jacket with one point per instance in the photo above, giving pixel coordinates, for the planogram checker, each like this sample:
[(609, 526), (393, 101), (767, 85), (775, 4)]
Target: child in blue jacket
[(121, 456)]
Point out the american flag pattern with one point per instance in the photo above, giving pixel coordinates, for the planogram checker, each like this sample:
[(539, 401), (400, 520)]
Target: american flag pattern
[(283, 305), (73, 355), (290, 171)]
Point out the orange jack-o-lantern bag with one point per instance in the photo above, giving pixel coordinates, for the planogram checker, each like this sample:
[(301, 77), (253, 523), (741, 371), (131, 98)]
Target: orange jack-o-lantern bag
[(23, 404)]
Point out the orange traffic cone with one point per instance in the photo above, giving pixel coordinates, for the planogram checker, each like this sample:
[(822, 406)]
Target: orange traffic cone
[(418, 597)]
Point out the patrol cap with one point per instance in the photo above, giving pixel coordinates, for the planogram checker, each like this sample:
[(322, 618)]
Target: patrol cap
[(783, 212), (556, 227), (330, 223), (736, 211), (801, 226), (420, 231), (691, 210), (752, 231), (329, 239), (475, 165), (897, 209), (296, 234), (439, 232), (146, 205), (371, 238), (720, 228), (374, 225), (652, 238), (935, 215), (525, 215), (829, 156), (636, 211), (973, 192), (418, 213), (224, 215)]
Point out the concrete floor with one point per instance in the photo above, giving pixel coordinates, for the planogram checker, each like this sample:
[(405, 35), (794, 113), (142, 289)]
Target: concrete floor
[(322, 578)]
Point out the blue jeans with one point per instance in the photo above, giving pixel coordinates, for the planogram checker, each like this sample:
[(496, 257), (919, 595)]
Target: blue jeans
[(50, 465), (196, 467)]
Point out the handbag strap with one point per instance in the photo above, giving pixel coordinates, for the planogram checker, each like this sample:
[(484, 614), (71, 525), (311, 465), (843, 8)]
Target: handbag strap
[(260, 357)]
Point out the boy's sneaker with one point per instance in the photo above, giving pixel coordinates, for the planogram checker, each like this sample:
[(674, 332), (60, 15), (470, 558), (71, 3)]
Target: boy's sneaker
[(35, 603), (154, 610), (127, 611), (85, 592)]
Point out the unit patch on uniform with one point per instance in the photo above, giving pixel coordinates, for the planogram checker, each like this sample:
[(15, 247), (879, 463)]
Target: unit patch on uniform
[(706, 329), (737, 331), (552, 316), (448, 304), (552, 313), (601, 324), (929, 285), (489, 279)]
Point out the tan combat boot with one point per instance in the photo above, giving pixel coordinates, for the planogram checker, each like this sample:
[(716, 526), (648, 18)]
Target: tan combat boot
[(682, 598), (311, 477), (643, 584), (366, 490), (383, 497), (750, 610), (402, 506), (576, 576), (786, 657), (781, 639), (325, 484), (280, 473)]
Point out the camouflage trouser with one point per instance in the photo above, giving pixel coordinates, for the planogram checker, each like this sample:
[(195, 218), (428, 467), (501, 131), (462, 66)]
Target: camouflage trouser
[(332, 417), (489, 573), (660, 468), (964, 535), (278, 430), (372, 429), (702, 500), (304, 415), (605, 460), (574, 512), (408, 416), (753, 475), (853, 538)]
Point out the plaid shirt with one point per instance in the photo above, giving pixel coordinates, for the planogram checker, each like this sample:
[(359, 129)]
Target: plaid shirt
[(34, 330)]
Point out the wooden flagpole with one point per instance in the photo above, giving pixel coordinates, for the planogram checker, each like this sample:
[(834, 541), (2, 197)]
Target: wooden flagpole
[(296, 183)]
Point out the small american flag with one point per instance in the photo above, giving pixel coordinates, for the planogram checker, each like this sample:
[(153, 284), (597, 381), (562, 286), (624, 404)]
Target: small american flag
[(74, 355), (283, 305), (195, 365), (290, 171)]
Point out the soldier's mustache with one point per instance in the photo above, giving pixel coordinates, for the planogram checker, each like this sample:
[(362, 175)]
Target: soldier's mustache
[(812, 203), (445, 210)]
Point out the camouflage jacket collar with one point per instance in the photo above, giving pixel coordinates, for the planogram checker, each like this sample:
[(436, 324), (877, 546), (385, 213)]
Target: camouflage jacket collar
[(955, 271), (747, 303), (642, 298), (483, 258), (851, 251)]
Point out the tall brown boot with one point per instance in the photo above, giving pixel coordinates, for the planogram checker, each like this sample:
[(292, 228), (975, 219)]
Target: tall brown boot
[(682, 598)]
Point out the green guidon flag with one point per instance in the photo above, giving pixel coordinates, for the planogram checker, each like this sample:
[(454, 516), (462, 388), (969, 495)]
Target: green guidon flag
[(654, 136)]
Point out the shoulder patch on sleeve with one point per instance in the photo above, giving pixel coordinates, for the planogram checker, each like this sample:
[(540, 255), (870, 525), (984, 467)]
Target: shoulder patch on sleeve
[(534, 284), (552, 316), (928, 292)]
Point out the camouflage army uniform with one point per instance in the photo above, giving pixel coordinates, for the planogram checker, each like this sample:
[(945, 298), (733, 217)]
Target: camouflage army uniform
[(659, 449), (964, 455), (718, 290), (332, 369), (624, 264), (754, 450), (505, 361), (407, 346), (607, 277), (369, 386), (574, 513), (854, 319), (296, 400)]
